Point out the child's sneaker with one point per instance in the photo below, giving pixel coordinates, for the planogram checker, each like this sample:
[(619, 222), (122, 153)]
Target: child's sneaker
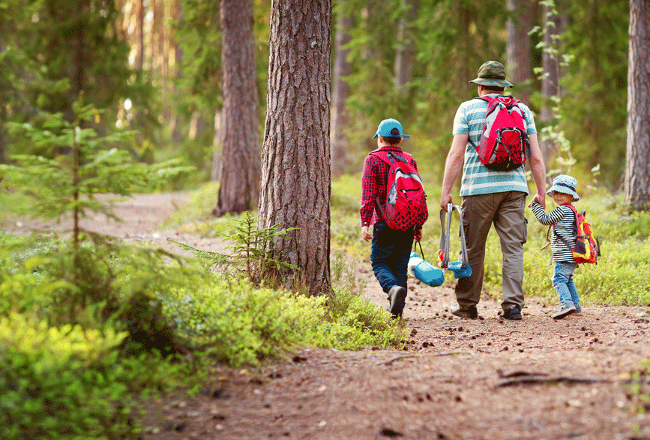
[(397, 299), (566, 309)]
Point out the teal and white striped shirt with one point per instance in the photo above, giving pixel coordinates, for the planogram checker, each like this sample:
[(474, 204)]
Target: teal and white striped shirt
[(477, 178)]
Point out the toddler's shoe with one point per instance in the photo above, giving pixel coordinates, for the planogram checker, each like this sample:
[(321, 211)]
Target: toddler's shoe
[(565, 310)]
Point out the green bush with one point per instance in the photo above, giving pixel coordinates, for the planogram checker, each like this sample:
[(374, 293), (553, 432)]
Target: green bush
[(240, 324), (108, 286), (62, 382), (70, 382)]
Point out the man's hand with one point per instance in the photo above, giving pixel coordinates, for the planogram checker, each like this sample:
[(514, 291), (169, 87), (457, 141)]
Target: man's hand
[(365, 234), (417, 234), (444, 200), (539, 198)]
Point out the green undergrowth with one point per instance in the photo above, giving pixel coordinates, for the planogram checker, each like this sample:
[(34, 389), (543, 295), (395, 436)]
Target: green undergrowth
[(89, 329), (237, 323)]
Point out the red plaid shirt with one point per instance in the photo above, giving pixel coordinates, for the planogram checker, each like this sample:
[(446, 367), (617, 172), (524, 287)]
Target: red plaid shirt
[(373, 185)]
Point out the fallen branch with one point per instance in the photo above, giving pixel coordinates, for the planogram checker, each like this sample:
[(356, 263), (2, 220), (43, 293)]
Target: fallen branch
[(547, 380)]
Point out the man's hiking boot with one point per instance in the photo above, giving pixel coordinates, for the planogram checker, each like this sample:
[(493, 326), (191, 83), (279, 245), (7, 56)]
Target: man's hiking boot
[(466, 312), (578, 310), (566, 310), (512, 313), (397, 299)]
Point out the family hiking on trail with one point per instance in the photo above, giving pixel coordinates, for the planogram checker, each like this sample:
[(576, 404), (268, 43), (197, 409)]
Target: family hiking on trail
[(493, 137)]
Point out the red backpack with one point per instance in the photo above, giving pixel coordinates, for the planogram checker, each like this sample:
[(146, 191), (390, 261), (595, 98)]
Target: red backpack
[(587, 248), (406, 201), (504, 141)]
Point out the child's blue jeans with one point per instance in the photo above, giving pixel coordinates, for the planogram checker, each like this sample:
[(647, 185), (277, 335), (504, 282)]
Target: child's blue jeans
[(390, 254), (563, 283)]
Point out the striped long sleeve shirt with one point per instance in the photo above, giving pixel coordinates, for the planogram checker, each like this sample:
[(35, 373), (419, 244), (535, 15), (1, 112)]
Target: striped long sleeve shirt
[(563, 221)]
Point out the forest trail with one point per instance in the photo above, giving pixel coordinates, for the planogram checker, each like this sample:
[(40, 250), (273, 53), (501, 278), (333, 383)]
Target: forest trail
[(456, 379)]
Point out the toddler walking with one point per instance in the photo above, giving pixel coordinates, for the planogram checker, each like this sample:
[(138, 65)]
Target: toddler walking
[(563, 239)]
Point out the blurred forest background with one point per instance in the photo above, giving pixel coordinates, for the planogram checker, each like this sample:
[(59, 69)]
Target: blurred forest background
[(155, 67)]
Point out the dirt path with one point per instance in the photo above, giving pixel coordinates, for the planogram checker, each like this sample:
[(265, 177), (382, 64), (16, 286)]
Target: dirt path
[(457, 379)]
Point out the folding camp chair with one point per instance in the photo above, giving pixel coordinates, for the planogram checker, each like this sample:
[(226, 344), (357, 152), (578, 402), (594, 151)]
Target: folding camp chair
[(461, 268), (424, 271)]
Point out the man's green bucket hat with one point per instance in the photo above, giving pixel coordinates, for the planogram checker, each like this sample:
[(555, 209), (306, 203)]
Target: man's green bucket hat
[(492, 73)]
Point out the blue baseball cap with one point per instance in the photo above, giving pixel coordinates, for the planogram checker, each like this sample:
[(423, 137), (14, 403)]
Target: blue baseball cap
[(386, 128)]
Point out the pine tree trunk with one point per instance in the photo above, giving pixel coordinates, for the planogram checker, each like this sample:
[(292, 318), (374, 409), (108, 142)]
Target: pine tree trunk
[(518, 47), (555, 26), (240, 172), (465, 43), (340, 93), (217, 141), (295, 186), (405, 49), (637, 166)]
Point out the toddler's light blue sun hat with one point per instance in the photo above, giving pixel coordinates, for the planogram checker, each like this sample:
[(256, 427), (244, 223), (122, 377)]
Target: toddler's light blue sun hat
[(566, 185)]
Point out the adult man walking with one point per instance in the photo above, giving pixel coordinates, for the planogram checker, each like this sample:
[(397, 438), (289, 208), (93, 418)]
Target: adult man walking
[(491, 197)]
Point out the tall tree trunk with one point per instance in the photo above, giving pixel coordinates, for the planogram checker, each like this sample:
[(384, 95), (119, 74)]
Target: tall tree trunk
[(240, 171), (465, 42), (555, 25), (141, 13), (518, 47), (296, 186), (79, 55), (405, 44), (637, 166), (217, 142), (177, 136), (340, 93)]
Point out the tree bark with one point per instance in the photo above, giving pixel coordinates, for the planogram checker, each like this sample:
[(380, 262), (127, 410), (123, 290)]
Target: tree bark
[(295, 184), (340, 93), (217, 141), (240, 171), (518, 47), (637, 166), (555, 25), (405, 48)]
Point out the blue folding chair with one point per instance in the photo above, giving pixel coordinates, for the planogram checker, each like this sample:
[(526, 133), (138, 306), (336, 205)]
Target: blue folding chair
[(461, 268), (424, 271)]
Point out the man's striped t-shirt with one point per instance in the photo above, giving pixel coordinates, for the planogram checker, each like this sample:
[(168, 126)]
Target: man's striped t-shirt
[(477, 178)]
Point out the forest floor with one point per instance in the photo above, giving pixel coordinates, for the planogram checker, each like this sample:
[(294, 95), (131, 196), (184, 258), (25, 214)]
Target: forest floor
[(456, 379)]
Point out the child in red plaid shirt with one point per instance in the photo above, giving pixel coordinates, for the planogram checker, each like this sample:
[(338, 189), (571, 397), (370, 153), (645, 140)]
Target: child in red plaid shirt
[(391, 248)]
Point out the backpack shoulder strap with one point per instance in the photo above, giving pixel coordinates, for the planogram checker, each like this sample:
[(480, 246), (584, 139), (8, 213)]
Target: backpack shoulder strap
[(390, 156)]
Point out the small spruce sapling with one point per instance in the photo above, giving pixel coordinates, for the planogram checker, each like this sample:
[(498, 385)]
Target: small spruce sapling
[(67, 184)]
